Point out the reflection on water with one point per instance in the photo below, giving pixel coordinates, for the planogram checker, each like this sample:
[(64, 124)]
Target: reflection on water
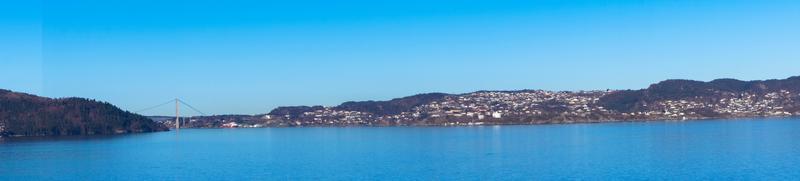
[(722, 149), (59, 138)]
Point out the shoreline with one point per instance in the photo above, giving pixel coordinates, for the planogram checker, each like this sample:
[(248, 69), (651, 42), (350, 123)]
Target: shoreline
[(510, 124), (413, 126)]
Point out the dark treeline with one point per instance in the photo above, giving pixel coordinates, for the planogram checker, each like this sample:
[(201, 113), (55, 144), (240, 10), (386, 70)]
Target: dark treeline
[(394, 106), (29, 115), (635, 100)]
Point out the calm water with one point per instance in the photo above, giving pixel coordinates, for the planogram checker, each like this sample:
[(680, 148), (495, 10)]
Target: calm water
[(701, 150)]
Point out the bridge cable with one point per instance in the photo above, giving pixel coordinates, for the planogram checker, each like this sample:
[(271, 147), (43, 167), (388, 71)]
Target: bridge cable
[(191, 107), (153, 107)]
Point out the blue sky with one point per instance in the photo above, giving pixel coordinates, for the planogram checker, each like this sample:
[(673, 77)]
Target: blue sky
[(247, 57)]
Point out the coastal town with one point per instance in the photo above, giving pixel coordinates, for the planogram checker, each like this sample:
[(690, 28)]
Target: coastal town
[(526, 107), (673, 100)]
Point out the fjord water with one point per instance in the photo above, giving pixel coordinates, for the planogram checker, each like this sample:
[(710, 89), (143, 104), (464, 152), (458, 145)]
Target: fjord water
[(767, 149)]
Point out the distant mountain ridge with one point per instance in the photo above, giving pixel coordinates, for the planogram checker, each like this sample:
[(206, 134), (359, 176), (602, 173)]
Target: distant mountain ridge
[(666, 100), (394, 106), (294, 111), (635, 100), (622, 101), (675, 99), (24, 114)]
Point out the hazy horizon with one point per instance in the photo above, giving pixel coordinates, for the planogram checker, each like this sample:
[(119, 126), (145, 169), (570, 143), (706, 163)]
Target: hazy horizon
[(247, 57)]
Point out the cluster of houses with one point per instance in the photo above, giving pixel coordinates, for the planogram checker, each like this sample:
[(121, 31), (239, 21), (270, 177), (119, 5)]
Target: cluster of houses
[(474, 108), (466, 109), (331, 116), (482, 105), (755, 104), (493, 107), (234, 124), (744, 104)]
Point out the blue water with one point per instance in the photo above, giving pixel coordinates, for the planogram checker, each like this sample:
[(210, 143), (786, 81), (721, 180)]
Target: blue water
[(764, 149)]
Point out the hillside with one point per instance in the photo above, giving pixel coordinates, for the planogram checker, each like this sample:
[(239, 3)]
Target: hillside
[(394, 106), (665, 100), (713, 91), (29, 115)]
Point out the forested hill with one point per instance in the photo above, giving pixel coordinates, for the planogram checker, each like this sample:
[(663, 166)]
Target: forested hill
[(665, 100), (699, 91), (29, 115), (394, 106)]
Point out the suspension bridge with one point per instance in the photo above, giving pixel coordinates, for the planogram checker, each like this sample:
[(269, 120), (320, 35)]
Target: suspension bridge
[(178, 102)]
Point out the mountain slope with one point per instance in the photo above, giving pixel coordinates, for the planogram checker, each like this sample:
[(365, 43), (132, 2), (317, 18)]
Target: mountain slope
[(29, 115), (637, 100), (394, 106)]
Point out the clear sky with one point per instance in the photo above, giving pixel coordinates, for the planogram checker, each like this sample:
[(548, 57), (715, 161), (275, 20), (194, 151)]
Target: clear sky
[(247, 57)]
